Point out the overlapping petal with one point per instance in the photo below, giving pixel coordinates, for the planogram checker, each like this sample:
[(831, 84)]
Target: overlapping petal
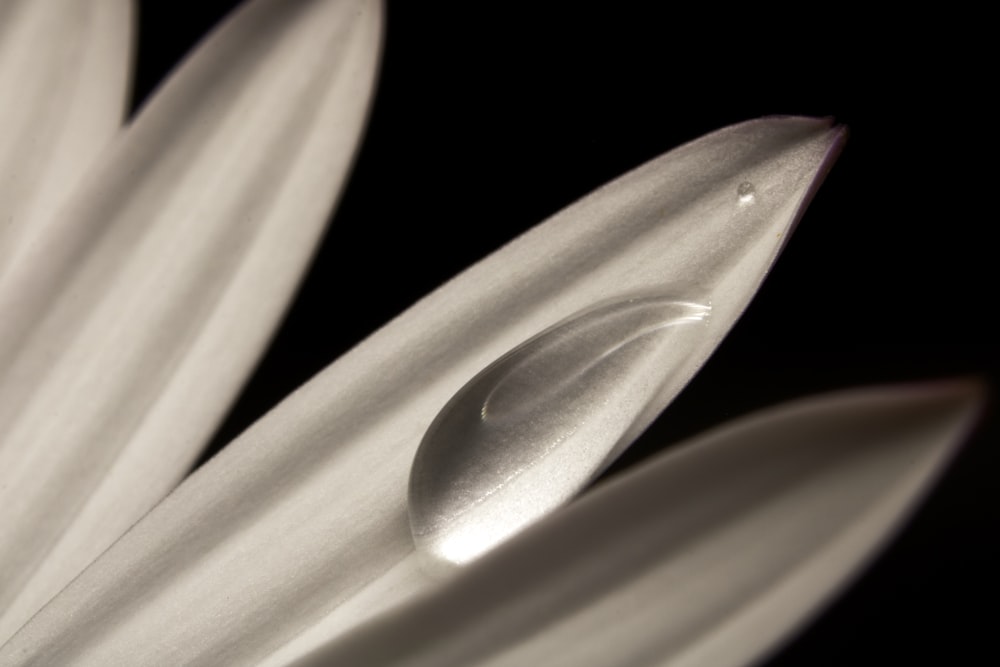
[(709, 555), (64, 71), (309, 506), (131, 320), (133, 308)]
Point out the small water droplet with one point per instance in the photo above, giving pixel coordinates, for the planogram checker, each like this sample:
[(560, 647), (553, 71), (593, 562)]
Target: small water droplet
[(746, 192), (531, 430)]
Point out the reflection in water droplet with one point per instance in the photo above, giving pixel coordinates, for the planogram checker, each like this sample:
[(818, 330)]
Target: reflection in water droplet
[(532, 429), (746, 192)]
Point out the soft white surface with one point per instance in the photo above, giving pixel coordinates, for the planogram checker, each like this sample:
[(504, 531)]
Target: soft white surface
[(131, 322), (309, 505), (709, 555), (64, 70)]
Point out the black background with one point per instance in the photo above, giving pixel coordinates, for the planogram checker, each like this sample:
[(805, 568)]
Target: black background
[(489, 117)]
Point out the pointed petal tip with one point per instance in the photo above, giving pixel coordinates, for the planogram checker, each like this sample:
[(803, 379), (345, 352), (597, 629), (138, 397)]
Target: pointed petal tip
[(837, 136), (966, 394), (971, 389), (823, 140), (964, 397), (835, 133)]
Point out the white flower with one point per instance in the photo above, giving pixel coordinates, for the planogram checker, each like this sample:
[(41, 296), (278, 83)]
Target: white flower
[(135, 309), (307, 507)]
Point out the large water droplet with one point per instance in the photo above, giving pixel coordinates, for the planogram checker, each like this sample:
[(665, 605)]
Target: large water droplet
[(533, 428), (746, 192)]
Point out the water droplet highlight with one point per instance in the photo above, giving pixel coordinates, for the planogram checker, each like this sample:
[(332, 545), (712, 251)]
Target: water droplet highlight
[(531, 430), (746, 192)]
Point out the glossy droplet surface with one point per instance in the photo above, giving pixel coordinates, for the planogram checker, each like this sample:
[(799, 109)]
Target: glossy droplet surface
[(533, 428), (746, 192)]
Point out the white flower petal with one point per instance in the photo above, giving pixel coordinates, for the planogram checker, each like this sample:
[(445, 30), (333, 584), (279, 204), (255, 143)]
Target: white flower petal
[(130, 326), (64, 69), (709, 555), (309, 505)]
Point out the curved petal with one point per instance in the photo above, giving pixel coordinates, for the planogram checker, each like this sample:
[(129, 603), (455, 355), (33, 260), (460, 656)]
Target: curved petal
[(129, 328), (309, 505), (711, 554), (64, 72)]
